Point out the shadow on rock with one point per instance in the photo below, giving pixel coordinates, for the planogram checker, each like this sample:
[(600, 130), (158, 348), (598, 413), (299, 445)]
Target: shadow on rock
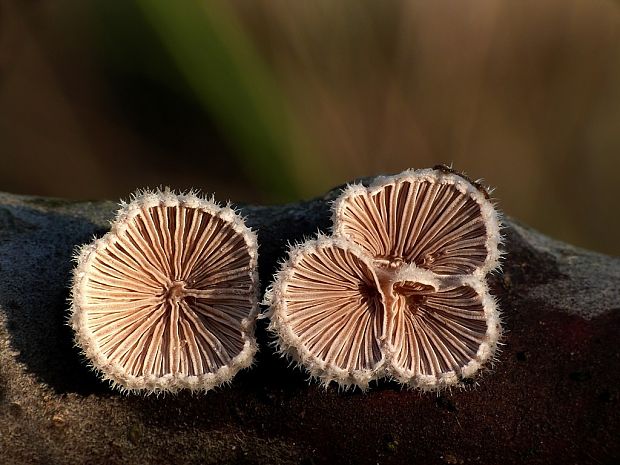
[(36, 252)]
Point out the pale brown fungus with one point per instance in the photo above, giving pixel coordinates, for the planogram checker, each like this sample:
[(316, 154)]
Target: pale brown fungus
[(399, 291), (435, 220), (328, 312), (168, 298)]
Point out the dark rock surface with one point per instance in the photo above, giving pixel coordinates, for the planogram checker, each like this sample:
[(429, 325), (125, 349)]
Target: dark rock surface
[(554, 396)]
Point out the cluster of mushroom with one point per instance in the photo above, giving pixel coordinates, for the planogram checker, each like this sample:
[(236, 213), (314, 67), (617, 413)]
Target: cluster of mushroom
[(399, 289), (168, 298)]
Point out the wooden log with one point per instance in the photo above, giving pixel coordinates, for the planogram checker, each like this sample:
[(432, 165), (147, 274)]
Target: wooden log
[(552, 398)]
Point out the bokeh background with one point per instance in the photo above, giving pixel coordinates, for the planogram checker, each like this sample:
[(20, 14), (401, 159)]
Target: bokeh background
[(279, 100)]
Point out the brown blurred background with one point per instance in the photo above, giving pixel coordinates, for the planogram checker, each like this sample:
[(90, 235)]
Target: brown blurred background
[(276, 100)]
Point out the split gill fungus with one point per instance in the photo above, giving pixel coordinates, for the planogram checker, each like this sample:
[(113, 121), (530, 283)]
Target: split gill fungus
[(167, 299), (399, 289)]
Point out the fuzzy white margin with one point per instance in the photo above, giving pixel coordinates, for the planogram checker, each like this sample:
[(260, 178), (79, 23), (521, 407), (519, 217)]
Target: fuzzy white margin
[(489, 214), (87, 342)]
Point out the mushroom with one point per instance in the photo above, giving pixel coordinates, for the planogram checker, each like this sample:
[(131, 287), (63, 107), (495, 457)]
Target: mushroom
[(435, 219), (167, 299), (442, 333), (398, 290), (327, 310)]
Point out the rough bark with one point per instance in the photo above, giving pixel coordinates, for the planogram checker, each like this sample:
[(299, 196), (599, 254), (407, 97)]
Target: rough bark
[(552, 398)]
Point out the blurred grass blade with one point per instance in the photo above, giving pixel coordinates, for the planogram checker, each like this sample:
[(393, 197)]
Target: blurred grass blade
[(206, 42)]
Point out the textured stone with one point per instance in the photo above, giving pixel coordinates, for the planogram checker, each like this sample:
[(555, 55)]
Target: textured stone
[(552, 398)]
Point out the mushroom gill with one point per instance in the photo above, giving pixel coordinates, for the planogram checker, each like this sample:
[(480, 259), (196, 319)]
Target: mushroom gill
[(168, 298)]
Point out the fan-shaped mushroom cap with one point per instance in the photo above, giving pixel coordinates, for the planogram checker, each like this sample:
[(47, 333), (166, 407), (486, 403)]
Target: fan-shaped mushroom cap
[(168, 298), (439, 336), (327, 310), (437, 220)]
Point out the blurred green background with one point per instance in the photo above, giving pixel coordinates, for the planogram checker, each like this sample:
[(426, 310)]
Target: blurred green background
[(278, 100)]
